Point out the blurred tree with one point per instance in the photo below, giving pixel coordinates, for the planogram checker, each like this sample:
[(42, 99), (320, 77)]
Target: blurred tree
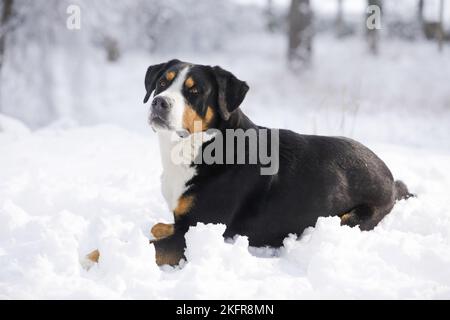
[(270, 16), (112, 49), (373, 34), (441, 26), (32, 34), (6, 15), (300, 33), (431, 29), (420, 11), (7, 9), (339, 18), (434, 29)]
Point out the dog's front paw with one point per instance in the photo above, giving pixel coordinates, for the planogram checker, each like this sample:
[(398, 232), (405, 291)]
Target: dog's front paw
[(161, 230)]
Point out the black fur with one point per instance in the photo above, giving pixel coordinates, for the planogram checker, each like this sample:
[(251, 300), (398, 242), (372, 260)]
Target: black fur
[(231, 92), (318, 176), (155, 72)]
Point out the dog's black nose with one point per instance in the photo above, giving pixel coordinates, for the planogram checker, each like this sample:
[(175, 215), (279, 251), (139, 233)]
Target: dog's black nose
[(160, 104)]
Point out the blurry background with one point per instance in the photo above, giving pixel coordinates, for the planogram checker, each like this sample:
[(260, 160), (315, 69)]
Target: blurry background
[(311, 65)]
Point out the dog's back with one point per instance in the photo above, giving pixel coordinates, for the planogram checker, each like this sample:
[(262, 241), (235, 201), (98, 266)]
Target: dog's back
[(318, 176)]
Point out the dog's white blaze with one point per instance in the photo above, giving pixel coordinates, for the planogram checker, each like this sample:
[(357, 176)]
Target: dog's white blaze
[(174, 176), (175, 95), (177, 173)]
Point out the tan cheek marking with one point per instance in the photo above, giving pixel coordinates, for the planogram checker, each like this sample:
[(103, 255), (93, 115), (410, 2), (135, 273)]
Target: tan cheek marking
[(162, 230), (209, 115), (170, 75), (190, 116), (189, 119), (189, 83), (185, 203), (94, 256)]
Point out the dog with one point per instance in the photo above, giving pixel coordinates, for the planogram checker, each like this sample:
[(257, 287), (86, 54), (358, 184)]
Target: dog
[(316, 176)]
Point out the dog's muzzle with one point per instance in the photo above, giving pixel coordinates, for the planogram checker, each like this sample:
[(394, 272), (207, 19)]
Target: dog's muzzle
[(159, 115)]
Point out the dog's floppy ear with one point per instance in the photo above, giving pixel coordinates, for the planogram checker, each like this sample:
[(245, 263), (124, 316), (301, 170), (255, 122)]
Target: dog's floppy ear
[(231, 93), (154, 72)]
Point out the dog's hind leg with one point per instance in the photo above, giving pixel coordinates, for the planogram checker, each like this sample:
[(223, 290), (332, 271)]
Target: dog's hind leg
[(366, 217), (354, 217), (378, 213)]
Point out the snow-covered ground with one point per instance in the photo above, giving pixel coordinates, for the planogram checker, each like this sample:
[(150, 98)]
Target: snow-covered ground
[(78, 185)]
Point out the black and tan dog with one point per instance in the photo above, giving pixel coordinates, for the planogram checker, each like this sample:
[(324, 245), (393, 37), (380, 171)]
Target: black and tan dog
[(317, 176)]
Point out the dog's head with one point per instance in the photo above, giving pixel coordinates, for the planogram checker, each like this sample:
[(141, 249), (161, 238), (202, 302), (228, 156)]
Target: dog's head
[(190, 98)]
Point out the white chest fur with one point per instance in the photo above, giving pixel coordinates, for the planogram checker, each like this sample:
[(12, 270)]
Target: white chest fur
[(175, 174)]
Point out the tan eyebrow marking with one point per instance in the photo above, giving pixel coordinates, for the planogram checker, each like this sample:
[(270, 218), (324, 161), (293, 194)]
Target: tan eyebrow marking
[(170, 75), (189, 83)]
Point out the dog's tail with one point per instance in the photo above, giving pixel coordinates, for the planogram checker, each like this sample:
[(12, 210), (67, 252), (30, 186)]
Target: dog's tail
[(401, 191)]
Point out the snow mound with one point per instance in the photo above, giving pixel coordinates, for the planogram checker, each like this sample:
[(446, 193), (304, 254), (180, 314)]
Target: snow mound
[(12, 126), (64, 193)]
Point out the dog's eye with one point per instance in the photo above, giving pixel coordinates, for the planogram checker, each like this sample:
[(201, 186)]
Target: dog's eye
[(194, 90), (162, 83)]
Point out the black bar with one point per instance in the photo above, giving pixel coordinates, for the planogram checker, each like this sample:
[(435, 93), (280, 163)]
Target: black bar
[(235, 309)]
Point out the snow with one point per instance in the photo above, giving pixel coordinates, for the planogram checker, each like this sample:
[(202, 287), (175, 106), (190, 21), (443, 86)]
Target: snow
[(12, 126), (64, 193), (91, 180)]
